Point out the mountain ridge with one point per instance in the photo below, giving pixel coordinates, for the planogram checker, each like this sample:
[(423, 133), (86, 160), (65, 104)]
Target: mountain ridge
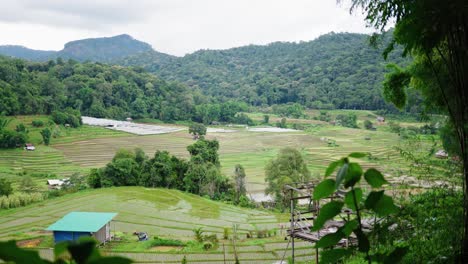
[(102, 49)]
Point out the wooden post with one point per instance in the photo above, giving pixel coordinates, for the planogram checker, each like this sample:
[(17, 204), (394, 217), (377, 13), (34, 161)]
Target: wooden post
[(292, 225), (224, 253)]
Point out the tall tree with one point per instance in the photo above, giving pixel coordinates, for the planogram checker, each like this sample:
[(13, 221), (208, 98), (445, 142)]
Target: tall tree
[(435, 33), (288, 167), (239, 181)]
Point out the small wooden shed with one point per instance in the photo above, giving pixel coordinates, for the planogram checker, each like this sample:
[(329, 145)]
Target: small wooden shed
[(77, 224)]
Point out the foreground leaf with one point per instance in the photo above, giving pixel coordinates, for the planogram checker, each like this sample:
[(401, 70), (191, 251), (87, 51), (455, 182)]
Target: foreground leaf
[(353, 175), (334, 255), (363, 241), (396, 255), (324, 189), (341, 175), (330, 239), (357, 155), (349, 227), (10, 252), (327, 212), (381, 204), (374, 178), (331, 168), (349, 200)]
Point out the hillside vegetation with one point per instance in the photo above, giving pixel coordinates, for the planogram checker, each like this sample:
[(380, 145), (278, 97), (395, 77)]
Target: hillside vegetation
[(94, 89), (336, 70), (333, 71)]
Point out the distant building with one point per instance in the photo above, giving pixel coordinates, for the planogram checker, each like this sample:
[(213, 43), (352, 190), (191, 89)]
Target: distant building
[(77, 224), (441, 154), (380, 119), (57, 183), (29, 146)]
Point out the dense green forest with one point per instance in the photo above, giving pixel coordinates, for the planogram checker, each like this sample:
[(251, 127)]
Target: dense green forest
[(334, 71), (95, 89), (337, 70), (101, 90)]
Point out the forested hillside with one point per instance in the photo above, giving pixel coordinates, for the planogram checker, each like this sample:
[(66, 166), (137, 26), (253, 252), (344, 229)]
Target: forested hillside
[(95, 89), (337, 70), (333, 71), (101, 90)]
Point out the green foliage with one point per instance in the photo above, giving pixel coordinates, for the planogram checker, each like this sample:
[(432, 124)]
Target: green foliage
[(395, 84), (37, 123), (21, 128), (368, 124), (294, 110), (282, 123), (201, 175), (92, 89), (349, 120), (94, 178), (12, 139), (197, 129), (332, 71), (327, 212), (205, 151), (158, 241), (68, 117), (27, 185), (288, 167), (20, 199), (5, 187), (226, 232), (46, 134), (266, 119), (348, 176), (394, 127), (324, 189), (82, 252), (429, 223), (374, 178), (439, 67), (239, 182)]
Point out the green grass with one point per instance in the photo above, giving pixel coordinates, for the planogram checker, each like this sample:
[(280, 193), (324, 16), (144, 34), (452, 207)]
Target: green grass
[(170, 215), (79, 150)]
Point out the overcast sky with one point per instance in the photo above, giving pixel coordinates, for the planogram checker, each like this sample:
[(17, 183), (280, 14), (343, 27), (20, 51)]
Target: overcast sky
[(176, 27)]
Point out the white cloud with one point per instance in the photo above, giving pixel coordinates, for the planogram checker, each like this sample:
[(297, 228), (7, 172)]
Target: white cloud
[(174, 26)]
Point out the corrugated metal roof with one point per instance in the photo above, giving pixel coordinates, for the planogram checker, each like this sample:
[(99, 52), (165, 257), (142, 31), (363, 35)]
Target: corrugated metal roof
[(82, 222)]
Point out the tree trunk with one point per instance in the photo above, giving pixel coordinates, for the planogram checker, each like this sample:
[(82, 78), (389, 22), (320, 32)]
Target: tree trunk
[(464, 256)]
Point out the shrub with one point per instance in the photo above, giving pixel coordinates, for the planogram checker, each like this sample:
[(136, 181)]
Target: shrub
[(46, 134), (12, 139), (367, 124), (20, 199), (15, 201), (394, 127), (349, 120), (282, 123), (37, 123), (4, 202), (21, 128), (226, 233), (70, 116), (5, 187), (158, 241)]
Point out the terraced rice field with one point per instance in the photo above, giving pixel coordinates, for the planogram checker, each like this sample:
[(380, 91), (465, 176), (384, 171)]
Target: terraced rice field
[(78, 150), (159, 212)]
